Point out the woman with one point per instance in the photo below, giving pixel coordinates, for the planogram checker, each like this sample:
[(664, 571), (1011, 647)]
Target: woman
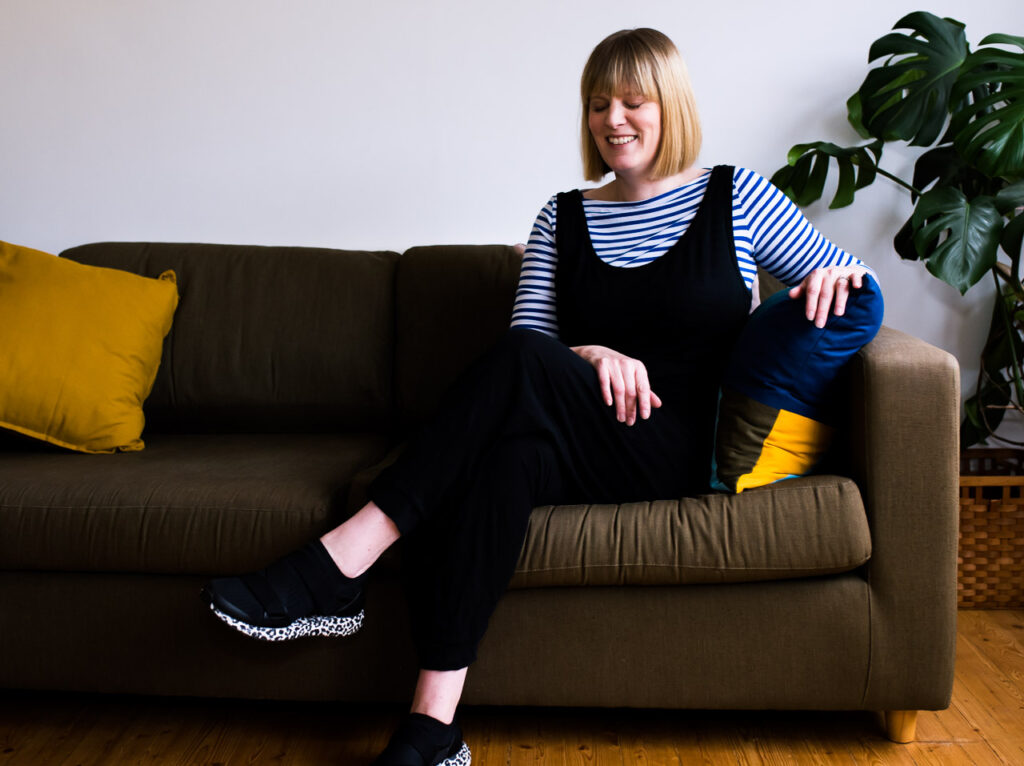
[(630, 298)]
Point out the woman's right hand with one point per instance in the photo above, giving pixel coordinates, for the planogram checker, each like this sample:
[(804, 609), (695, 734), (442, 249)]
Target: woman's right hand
[(623, 382)]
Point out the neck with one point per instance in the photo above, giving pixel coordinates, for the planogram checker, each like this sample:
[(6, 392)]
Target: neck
[(631, 189)]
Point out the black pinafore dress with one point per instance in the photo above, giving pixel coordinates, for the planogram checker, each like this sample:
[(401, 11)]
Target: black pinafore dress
[(679, 314)]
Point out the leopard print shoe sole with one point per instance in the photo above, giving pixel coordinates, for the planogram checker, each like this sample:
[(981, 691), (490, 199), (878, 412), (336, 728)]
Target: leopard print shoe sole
[(328, 627), (461, 758)]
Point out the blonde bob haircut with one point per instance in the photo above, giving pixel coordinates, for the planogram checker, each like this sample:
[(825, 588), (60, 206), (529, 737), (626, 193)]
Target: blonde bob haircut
[(646, 62)]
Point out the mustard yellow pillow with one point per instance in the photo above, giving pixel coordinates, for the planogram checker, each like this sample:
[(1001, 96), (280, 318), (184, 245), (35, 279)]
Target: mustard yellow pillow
[(79, 349)]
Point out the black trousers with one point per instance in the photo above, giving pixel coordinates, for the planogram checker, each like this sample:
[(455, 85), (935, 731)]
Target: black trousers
[(526, 425)]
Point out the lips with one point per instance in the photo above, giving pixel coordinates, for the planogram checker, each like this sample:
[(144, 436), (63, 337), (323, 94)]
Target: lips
[(620, 140)]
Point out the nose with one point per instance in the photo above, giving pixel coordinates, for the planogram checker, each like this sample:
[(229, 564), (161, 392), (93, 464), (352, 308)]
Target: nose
[(615, 114)]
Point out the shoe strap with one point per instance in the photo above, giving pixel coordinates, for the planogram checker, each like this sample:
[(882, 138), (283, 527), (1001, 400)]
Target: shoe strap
[(314, 565), (272, 606)]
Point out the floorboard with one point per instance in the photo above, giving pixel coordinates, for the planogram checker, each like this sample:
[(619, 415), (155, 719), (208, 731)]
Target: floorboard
[(983, 725)]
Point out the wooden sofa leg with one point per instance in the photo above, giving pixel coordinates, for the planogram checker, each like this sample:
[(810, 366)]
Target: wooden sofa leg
[(901, 725)]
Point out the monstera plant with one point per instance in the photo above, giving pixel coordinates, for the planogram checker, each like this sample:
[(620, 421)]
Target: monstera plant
[(967, 108)]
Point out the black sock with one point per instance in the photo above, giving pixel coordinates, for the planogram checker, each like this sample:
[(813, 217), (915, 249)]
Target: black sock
[(428, 736)]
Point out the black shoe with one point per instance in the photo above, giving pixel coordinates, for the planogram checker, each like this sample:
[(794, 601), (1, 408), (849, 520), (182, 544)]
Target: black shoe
[(302, 594), (424, 741)]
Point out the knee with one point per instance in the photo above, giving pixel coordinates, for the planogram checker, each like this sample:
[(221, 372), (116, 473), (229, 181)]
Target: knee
[(524, 344), (520, 449), (524, 461), (524, 338)]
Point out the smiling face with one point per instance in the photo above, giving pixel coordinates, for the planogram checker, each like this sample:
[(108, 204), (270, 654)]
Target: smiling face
[(626, 129), (628, 64)]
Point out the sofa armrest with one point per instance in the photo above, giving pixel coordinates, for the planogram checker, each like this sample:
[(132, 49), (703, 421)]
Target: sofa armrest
[(905, 456)]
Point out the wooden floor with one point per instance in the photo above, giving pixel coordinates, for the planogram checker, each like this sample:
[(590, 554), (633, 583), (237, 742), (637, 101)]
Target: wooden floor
[(984, 725)]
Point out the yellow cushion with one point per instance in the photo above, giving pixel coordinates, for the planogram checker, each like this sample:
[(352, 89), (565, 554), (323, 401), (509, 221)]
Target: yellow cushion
[(792, 448), (79, 349)]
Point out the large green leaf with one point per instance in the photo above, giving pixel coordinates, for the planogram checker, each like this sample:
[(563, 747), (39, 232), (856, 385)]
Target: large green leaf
[(1012, 240), (904, 242), (944, 166), (803, 179), (1002, 348), (959, 237), (855, 115), (906, 98), (1011, 197), (988, 123)]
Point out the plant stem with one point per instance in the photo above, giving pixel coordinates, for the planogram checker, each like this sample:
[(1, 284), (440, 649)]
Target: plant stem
[(1006, 440), (898, 180), (1018, 383)]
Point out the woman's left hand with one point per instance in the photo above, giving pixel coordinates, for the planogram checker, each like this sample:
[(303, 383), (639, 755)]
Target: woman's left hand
[(827, 289)]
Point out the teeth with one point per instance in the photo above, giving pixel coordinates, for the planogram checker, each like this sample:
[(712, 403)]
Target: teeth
[(617, 140)]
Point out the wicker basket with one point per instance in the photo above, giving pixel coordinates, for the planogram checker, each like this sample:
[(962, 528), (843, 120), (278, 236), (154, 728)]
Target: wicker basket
[(991, 561)]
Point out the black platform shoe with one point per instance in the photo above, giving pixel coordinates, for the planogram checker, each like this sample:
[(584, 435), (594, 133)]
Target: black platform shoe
[(302, 594), (424, 741)]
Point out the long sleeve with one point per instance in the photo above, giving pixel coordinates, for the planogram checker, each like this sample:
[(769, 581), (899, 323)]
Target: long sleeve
[(772, 233), (534, 306)]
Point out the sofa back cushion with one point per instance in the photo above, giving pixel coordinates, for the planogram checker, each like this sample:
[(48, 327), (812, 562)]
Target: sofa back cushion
[(268, 338), (452, 303)]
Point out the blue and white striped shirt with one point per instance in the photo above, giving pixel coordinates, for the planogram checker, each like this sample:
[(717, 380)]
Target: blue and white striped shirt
[(769, 230)]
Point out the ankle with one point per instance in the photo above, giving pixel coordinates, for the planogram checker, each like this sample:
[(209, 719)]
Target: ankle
[(438, 692), (357, 543), (441, 715), (351, 569)]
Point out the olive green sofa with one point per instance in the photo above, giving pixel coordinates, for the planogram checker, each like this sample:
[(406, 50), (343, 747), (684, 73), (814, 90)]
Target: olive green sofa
[(291, 375)]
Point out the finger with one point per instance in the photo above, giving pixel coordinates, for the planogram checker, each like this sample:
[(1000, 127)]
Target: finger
[(796, 292), (655, 400), (629, 380), (857, 280), (643, 393), (618, 393), (824, 303), (604, 377), (812, 289), (842, 292), (643, 401)]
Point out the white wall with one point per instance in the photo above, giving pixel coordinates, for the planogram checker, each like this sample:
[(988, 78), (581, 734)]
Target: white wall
[(398, 122)]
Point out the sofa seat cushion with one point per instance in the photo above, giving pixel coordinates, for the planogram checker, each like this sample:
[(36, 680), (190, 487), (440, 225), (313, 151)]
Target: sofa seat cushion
[(798, 528), (187, 504)]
